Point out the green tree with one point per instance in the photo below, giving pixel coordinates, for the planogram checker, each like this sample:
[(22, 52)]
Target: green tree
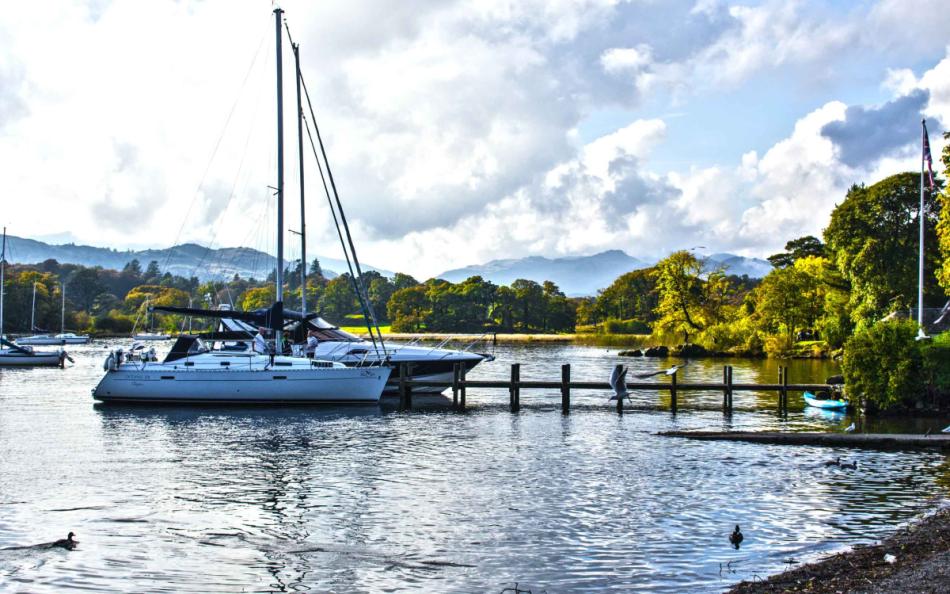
[(788, 300), (632, 296), (408, 308), (404, 281), (796, 249), (258, 298), (681, 294), (338, 299), (315, 269), (943, 224), (529, 305), (873, 240), (83, 287)]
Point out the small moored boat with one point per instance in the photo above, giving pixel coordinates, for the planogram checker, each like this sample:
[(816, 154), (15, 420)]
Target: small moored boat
[(824, 399)]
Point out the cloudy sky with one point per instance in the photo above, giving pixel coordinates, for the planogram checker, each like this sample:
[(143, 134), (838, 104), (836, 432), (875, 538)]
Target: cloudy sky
[(462, 131)]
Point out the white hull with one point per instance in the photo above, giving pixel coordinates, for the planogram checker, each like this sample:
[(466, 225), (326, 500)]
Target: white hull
[(151, 337), (12, 358), (243, 379), (52, 340)]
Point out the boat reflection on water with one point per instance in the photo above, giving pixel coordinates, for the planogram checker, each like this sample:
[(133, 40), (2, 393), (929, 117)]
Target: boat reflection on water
[(829, 415)]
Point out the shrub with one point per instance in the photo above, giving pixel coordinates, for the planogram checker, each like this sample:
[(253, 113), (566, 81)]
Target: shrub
[(936, 355), (883, 363)]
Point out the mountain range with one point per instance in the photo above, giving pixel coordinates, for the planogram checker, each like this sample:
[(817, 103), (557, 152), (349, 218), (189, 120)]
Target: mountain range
[(575, 275), (186, 260)]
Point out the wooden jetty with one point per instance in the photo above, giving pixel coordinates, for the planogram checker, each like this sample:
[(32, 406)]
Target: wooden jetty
[(886, 441), (460, 384)]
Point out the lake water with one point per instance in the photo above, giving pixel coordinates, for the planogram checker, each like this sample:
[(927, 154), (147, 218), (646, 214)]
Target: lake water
[(374, 500)]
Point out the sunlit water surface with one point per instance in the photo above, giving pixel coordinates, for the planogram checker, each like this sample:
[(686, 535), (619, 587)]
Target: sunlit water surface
[(370, 499)]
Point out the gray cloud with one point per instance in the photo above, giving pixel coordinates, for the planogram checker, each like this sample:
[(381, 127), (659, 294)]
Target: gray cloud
[(867, 134)]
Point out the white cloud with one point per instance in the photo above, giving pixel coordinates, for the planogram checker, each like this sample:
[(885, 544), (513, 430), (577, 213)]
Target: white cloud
[(452, 125)]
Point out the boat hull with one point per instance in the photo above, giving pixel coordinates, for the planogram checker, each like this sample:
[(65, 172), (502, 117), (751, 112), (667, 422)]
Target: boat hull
[(52, 340), (827, 404), (17, 359), (339, 385)]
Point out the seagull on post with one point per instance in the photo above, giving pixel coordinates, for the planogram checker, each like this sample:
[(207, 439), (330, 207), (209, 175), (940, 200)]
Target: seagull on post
[(669, 371), (850, 428), (618, 382)]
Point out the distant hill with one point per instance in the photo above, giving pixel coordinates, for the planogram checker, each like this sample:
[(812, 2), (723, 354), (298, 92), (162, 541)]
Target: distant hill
[(740, 265), (185, 260), (575, 275)]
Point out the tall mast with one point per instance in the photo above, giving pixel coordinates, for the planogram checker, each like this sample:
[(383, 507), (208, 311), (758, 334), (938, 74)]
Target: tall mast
[(3, 265), (62, 312), (280, 171), (920, 216), (33, 310), (303, 218)]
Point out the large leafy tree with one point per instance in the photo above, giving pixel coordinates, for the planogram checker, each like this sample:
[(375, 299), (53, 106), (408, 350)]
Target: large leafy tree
[(943, 225), (632, 296), (408, 308), (788, 300), (873, 240), (689, 300), (338, 299)]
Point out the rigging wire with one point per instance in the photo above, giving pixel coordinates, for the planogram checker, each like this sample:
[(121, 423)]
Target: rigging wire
[(217, 145), (363, 297)]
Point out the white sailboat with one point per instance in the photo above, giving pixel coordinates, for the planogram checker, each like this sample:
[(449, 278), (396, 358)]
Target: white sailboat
[(193, 374), (12, 354), (47, 339), (150, 335)]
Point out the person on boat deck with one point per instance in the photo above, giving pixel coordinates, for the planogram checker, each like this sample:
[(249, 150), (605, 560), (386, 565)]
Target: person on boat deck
[(260, 344), (312, 343)]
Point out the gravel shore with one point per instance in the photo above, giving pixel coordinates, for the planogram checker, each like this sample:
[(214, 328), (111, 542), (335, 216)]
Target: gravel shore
[(921, 564)]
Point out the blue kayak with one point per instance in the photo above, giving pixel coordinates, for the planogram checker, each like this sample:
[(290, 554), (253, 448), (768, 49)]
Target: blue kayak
[(824, 400)]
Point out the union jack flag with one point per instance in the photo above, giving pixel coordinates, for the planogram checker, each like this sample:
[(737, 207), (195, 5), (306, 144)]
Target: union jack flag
[(927, 158)]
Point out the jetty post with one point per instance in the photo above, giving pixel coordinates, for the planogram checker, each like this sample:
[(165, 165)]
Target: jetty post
[(673, 393), (462, 373), (785, 391), (729, 387), (455, 384), (725, 389), (619, 397), (405, 390), (566, 388), (514, 391)]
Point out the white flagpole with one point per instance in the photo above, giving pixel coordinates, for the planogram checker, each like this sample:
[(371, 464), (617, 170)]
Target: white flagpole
[(920, 215)]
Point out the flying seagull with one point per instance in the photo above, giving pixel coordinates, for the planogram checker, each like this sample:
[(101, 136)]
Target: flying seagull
[(669, 371), (947, 430), (618, 381)]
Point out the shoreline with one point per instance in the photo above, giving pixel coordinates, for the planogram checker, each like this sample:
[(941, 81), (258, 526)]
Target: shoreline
[(921, 563)]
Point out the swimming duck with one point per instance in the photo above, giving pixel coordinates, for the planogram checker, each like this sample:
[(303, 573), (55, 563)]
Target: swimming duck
[(835, 462), (736, 537), (852, 465), (66, 543)]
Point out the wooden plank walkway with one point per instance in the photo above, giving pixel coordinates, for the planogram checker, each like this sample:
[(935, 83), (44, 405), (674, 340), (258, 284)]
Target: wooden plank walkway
[(885, 441)]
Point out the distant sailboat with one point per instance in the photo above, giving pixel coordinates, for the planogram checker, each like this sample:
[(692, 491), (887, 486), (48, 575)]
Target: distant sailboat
[(12, 354), (150, 334), (46, 339)]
